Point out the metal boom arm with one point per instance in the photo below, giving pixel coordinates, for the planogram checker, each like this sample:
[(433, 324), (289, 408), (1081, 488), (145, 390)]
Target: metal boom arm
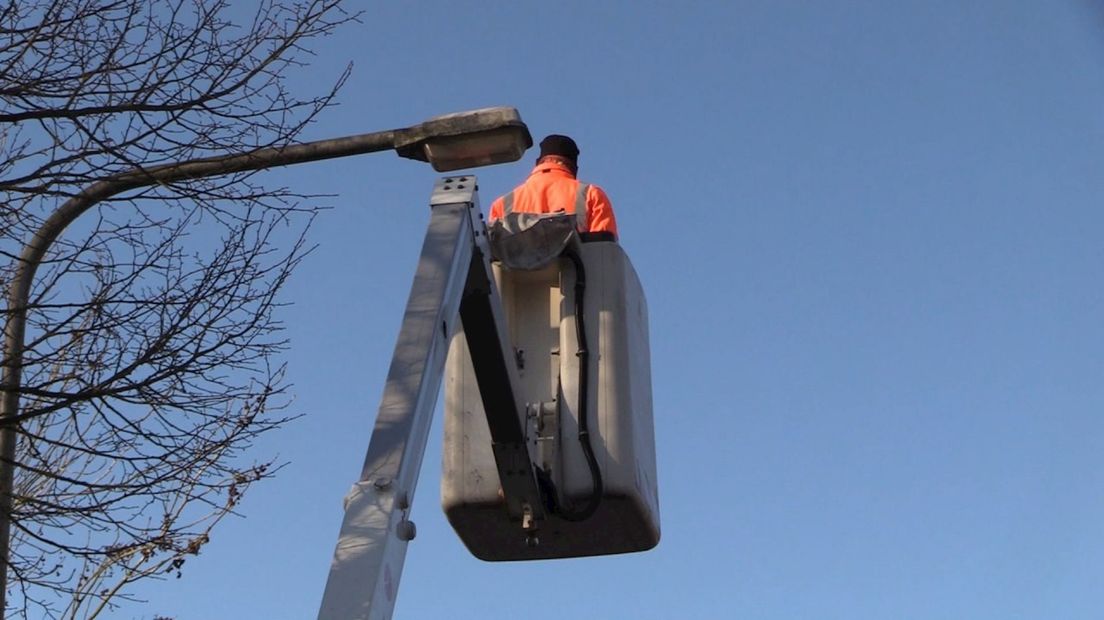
[(453, 279)]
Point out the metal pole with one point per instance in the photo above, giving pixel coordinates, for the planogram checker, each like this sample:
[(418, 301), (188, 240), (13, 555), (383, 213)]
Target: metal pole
[(35, 249), (453, 285), (371, 546)]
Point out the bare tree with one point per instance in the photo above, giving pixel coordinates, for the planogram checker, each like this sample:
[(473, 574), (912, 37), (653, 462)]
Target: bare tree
[(152, 348)]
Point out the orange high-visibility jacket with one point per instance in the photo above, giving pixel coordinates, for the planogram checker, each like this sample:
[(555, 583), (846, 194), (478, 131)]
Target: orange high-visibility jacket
[(551, 188)]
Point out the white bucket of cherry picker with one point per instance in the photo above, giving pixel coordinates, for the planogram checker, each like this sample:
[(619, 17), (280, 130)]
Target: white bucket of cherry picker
[(539, 307)]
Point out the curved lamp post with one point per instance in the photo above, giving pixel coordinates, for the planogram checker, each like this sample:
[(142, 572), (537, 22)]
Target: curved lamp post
[(450, 142)]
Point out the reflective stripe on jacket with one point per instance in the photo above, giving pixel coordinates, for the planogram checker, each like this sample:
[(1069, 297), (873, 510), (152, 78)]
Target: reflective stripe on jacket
[(551, 188)]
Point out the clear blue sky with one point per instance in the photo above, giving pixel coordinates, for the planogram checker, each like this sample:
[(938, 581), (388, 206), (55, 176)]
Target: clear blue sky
[(871, 238)]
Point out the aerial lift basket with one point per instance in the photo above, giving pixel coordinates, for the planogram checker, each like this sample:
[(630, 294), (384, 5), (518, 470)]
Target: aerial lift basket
[(540, 311)]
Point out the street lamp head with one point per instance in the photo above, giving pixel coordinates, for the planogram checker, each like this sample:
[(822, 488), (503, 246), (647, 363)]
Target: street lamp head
[(466, 139)]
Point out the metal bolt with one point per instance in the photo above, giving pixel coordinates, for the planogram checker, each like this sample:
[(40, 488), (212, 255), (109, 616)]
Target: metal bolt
[(406, 530)]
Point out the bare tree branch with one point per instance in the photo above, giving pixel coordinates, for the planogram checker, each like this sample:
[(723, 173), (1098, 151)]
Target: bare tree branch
[(152, 358)]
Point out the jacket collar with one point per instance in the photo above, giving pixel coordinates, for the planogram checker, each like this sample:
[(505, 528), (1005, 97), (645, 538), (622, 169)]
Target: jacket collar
[(551, 167)]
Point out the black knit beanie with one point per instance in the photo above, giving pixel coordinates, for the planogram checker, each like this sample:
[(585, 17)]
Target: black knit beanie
[(562, 146)]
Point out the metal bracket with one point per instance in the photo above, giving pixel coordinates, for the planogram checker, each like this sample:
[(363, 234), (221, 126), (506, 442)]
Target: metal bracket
[(545, 418), (450, 190), (496, 374)]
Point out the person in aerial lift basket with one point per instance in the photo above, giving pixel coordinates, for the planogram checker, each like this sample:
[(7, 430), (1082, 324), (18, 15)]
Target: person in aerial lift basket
[(540, 221), (588, 426), (552, 187)]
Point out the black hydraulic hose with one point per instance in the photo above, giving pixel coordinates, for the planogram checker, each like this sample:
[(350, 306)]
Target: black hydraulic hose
[(584, 373)]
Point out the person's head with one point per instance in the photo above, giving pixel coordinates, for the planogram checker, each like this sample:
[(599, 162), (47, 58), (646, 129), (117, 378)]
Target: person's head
[(560, 149)]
